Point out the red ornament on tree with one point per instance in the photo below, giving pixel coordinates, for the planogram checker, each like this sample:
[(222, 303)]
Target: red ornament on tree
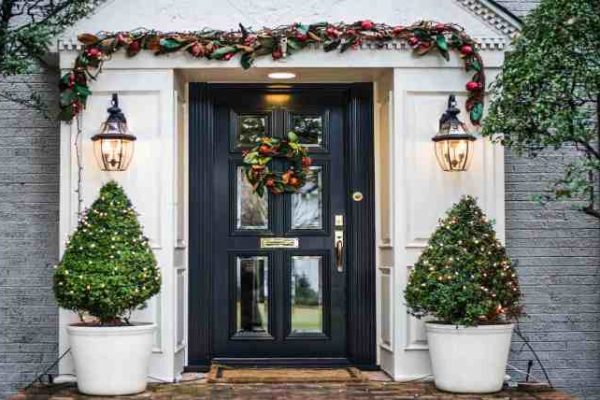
[(473, 86), (367, 25)]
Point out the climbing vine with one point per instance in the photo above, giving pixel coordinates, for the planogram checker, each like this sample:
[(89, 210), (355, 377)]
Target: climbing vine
[(423, 37)]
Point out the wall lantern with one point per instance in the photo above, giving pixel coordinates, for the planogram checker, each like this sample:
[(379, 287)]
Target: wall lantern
[(113, 146), (453, 143)]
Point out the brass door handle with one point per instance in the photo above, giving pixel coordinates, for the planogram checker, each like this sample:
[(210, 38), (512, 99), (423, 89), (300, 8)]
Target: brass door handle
[(339, 251)]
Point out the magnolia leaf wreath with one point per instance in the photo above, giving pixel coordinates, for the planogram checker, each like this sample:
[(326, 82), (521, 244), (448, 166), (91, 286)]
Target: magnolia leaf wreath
[(296, 169), (423, 37)]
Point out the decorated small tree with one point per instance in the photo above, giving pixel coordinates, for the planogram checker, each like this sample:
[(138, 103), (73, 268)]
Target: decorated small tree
[(464, 276), (108, 268)]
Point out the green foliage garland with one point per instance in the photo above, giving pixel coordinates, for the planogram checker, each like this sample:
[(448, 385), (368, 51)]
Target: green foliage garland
[(108, 268), (548, 95), (464, 276), (279, 42), (296, 171)]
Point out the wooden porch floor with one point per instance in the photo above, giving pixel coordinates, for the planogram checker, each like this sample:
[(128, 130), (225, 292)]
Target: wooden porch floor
[(377, 387)]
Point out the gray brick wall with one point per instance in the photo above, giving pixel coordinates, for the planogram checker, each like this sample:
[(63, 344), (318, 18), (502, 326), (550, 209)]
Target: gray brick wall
[(518, 7), (558, 249), (29, 158)]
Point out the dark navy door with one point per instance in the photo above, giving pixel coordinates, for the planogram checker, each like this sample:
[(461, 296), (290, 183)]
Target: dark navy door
[(279, 269)]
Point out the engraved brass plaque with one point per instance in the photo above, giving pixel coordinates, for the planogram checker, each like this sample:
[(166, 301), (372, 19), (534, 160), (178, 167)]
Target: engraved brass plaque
[(279, 243)]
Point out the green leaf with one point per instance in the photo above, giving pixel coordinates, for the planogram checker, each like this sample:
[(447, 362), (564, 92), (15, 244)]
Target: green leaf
[(294, 44), (476, 112), (440, 41), (302, 28), (292, 136), (170, 44), (331, 45), (347, 44), (219, 53), (67, 97), (82, 90), (474, 65), (247, 60)]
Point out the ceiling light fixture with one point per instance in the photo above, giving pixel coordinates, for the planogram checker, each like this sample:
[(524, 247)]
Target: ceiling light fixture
[(281, 75)]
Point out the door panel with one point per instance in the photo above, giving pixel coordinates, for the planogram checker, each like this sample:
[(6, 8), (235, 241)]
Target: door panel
[(272, 302)]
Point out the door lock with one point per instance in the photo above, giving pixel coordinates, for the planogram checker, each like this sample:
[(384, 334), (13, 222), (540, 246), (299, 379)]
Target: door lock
[(339, 249)]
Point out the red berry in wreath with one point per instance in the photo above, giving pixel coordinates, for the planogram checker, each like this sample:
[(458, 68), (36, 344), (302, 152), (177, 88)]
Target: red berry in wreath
[(270, 182), (264, 149), (473, 86), (227, 56), (367, 25), (466, 50), (306, 162)]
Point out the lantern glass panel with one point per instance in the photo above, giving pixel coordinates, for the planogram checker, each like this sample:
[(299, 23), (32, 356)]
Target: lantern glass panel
[(114, 154), (454, 154)]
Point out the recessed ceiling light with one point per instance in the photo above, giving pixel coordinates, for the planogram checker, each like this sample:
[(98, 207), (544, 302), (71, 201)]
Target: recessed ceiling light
[(282, 75)]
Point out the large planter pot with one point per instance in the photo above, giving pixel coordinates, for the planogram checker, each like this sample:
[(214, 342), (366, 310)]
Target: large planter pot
[(111, 360), (469, 359)]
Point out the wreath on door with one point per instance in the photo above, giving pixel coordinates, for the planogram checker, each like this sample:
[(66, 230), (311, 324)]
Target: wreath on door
[(296, 169)]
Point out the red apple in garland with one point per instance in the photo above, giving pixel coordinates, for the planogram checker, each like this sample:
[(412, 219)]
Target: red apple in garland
[(473, 86), (466, 50), (367, 25)]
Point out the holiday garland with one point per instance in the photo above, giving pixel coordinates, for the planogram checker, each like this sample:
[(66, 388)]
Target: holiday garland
[(295, 171), (279, 42)]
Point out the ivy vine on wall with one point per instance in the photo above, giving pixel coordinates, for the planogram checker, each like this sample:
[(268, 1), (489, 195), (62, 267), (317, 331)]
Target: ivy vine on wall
[(280, 42)]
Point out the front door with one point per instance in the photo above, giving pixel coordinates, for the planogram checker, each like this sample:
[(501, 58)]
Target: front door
[(280, 264)]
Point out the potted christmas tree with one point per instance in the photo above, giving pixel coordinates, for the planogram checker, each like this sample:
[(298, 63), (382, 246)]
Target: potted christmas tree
[(107, 271), (465, 281)]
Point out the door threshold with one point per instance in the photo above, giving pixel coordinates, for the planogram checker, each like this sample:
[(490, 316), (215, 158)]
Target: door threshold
[(282, 362)]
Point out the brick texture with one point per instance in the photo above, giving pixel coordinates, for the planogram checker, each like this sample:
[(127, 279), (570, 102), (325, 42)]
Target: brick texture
[(29, 160), (558, 249)]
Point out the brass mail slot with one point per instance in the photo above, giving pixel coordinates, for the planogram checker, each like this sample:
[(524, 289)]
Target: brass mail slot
[(278, 243)]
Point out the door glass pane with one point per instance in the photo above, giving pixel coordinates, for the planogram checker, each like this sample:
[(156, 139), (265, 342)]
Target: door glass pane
[(251, 209), (307, 203), (307, 294), (252, 299), (250, 127), (309, 128)]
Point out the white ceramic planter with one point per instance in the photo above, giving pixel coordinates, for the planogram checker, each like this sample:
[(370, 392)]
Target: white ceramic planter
[(469, 359), (111, 360)]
